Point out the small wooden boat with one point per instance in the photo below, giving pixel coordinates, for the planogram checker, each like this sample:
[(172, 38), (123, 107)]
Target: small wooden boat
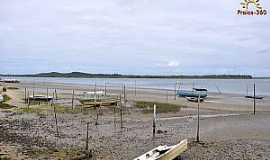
[(40, 98), (194, 93), (99, 103), (165, 152), (10, 81), (256, 97), (97, 98), (194, 99)]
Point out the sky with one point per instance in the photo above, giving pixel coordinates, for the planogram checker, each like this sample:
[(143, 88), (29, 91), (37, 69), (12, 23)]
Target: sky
[(133, 37)]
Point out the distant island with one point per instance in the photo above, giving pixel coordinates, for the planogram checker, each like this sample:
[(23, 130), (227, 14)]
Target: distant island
[(89, 75)]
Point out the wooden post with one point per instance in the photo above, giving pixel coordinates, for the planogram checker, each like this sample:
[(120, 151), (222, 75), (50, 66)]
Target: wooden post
[(52, 99), (25, 98), (198, 118), (87, 139), (97, 112), (254, 99), (105, 89), (56, 122), (121, 112), (95, 89), (175, 87), (114, 117), (135, 88), (154, 121), (28, 99), (125, 95), (48, 95), (95, 103), (72, 101), (55, 94)]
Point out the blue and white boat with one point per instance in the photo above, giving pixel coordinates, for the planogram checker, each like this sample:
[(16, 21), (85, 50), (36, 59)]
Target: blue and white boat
[(194, 93)]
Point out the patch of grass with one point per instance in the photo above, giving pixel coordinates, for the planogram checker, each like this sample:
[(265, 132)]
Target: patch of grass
[(4, 158), (35, 110), (6, 98), (161, 107), (43, 109), (63, 109), (6, 106), (3, 105)]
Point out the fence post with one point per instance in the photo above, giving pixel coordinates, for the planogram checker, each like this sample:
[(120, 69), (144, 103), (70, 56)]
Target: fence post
[(25, 99), (55, 94), (48, 95), (154, 121), (72, 101), (175, 88), (56, 121), (87, 139), (52, 99), (105, 88), (125, 95), (121, 112), (28, 99), (198, 121), (254, 99)]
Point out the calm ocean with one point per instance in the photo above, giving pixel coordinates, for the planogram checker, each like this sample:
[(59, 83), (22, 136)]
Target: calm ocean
[(234, 86)]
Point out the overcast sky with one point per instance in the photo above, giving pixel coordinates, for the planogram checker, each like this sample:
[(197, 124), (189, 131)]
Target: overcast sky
[(133, 37)]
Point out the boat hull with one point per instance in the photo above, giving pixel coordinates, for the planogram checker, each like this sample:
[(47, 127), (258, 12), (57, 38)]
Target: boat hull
[(186, 93), (165, 152)]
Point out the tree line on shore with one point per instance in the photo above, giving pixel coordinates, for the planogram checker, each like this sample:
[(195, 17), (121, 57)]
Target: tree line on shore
[(116, 75)]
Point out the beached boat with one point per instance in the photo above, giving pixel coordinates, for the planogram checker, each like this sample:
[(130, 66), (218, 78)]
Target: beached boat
[(9, 81), (194, 93), (194, 99), (40, 98), (165, 152), (98, 98), (256, 97)]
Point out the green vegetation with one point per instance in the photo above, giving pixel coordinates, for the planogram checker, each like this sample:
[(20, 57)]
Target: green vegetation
[(3, 105), (6, 106), (44, 109), (14, 88), (161, 107), (115, 75), (6, 98), (4, 157)]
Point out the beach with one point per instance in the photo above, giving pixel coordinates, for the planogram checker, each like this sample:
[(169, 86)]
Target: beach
[(228, 127)]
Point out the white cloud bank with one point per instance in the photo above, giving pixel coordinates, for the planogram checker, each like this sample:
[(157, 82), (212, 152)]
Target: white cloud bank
[(131, 36)]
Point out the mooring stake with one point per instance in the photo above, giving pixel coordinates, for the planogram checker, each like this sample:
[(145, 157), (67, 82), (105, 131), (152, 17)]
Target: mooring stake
[(198, 121), (154, 121)]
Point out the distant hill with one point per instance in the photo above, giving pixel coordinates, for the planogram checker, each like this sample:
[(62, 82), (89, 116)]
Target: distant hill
[(88, 75)]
